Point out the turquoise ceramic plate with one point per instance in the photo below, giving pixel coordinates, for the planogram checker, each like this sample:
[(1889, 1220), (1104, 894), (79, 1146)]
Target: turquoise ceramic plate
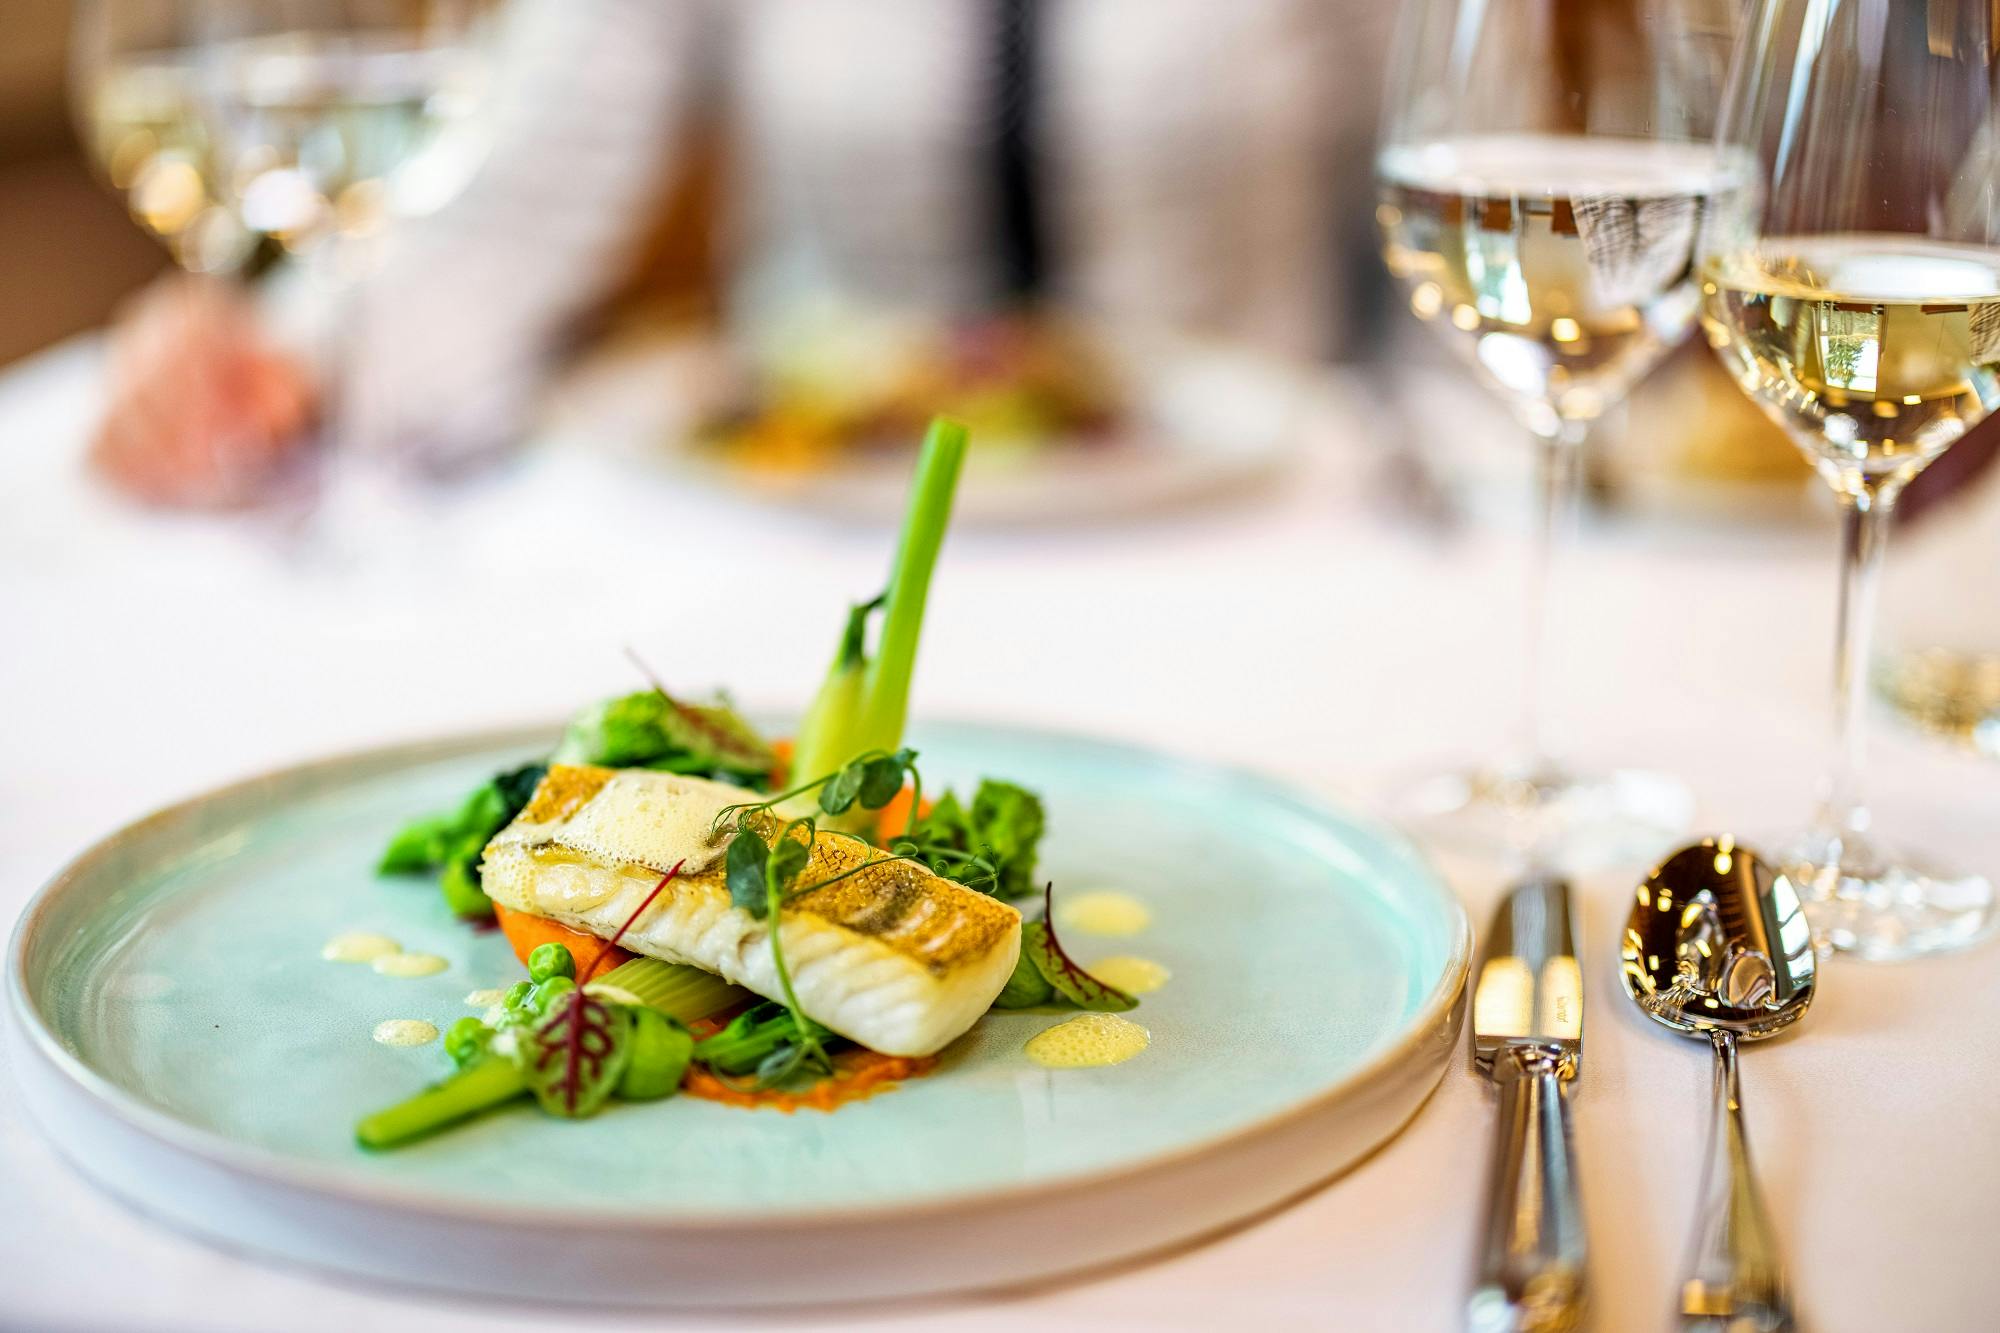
[(193, 1052)]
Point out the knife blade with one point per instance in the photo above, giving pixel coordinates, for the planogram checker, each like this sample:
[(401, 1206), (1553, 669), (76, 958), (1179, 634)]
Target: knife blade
[(1527, 1039)]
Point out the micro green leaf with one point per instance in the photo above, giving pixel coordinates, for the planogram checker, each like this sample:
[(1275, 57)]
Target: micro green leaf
[(837, 797), (744, 866), (882, 777), (790, 855)]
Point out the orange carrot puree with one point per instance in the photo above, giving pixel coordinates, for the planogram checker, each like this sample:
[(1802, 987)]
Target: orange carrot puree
[(526, 933), (857, 1074)]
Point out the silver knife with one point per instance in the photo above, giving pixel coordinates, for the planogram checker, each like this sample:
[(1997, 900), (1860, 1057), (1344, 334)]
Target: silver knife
[(1527, 1038)]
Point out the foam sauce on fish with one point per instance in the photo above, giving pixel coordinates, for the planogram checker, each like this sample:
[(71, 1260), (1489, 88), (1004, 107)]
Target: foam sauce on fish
[(1134, 976), (358, 946), (1088, 1041), (1103, 912), (405, 1032), (486, 999)]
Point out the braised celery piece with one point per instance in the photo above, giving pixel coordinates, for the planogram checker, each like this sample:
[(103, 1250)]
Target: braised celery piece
[(478, 1087), (681, 992), (863, 703)]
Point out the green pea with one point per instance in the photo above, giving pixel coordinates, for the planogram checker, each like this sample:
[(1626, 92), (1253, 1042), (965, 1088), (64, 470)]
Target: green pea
[(547, 991), (465, 1041), (550, 960), (661, 1049)]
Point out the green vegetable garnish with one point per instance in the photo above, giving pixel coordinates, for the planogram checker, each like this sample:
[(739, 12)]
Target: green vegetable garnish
[(548, 990), (863, 702), (452, 844), (551, 960), (1064, 975), (1027, 987), (990, 847), (652, 729), (754, 1037), (467, 1040), (490, 1082), (661, 1049), (578, 1053), (677, 990)]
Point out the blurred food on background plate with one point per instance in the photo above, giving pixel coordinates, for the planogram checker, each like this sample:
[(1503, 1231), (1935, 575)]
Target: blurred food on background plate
[(822, 390)]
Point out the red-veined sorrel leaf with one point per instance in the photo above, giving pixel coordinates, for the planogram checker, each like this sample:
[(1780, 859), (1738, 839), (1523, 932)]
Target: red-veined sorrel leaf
[(1039, 942)]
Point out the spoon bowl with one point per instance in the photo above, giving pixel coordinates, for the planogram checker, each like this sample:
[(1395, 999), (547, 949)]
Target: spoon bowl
[(1718, 941), (1717, 946)]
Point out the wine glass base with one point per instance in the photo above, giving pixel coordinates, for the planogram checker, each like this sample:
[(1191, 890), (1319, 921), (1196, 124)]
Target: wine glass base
[(1547, 817), (1886, 908)]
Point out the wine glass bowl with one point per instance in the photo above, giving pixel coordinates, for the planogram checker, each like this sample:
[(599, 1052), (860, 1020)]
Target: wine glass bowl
[(1855, 295), (133, 75), (324, 134)]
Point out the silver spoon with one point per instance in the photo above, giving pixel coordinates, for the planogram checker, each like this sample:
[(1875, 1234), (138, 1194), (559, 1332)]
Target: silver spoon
[(1717, 946)]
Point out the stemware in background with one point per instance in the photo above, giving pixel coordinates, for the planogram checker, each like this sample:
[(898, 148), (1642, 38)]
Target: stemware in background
[(328, 120), (1544, 171), (1856, 297), (133, 70), (243, 128)]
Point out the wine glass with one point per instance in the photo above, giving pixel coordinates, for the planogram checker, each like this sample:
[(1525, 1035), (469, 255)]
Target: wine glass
[(1544, 171), (1855, 296), (330, 119), (244, 131), (132, 78)]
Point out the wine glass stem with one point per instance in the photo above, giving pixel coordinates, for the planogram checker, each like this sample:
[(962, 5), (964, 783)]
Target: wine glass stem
[(1558, 450), (1864, 536)]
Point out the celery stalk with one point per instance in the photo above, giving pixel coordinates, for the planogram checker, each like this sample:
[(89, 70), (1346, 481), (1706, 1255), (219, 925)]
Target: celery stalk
[(864, 702), (825, 733), (677, 990), (888, 689)]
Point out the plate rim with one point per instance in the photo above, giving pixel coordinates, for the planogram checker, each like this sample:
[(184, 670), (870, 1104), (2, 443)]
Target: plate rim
[(339, 1182)]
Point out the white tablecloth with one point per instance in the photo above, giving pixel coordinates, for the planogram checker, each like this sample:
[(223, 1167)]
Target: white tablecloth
[(147, 658)]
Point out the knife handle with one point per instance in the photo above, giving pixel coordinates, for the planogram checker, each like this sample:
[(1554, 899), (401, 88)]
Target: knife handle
[(1531, 1263)]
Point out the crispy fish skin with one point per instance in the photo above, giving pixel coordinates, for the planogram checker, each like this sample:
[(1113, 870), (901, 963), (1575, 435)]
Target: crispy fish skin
[(892, 956)]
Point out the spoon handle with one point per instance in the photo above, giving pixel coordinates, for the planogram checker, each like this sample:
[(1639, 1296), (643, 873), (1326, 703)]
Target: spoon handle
[(1531, 1263), (1735, 1279)]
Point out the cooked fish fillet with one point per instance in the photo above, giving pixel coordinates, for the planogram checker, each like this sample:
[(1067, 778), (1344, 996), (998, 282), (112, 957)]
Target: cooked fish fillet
[(893, 957)]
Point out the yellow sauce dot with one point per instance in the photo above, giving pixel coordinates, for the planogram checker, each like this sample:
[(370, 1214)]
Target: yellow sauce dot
[(1104, 912), (1134, 976), (405, 1032), (486, 999), (358, 946), (1088, 1041), (409, 964)]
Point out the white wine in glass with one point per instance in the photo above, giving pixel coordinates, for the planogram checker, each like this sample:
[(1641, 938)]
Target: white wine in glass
[(1855, 295), (325, 135), (1563, 262), (134, 86), (1545, 172)]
